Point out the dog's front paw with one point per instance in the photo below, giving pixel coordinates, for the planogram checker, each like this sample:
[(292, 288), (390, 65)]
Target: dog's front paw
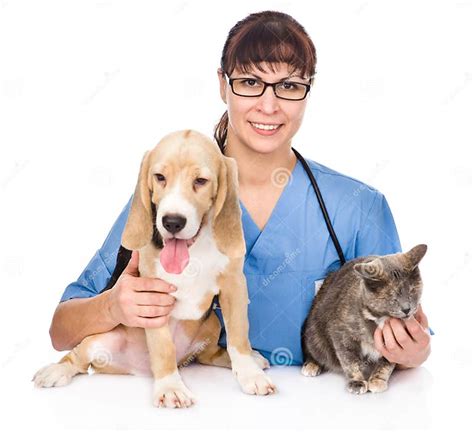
[(262, 362), (171, 392), (54, 375), (256, 383)]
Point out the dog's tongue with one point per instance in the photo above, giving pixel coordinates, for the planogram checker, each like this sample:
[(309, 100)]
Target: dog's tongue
[(174, 256)]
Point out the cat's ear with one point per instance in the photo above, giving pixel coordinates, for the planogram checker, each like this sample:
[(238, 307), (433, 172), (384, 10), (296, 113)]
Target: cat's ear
[(414, 256), (371, 271)]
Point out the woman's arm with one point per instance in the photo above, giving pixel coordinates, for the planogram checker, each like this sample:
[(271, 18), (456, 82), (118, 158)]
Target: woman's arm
[(77, 318), (88, 306), (133, 300), (84, 309)]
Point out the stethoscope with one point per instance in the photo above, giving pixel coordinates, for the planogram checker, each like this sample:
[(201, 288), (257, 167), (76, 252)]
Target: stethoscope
[(322, 206)]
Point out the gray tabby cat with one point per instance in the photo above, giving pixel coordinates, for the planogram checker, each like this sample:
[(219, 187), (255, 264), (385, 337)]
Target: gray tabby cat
[(351, 303)]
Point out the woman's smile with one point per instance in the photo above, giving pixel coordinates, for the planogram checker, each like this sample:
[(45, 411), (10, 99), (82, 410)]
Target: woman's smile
[(266, 129)]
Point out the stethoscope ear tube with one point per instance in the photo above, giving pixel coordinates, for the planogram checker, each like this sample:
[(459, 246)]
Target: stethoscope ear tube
[(322, 206)]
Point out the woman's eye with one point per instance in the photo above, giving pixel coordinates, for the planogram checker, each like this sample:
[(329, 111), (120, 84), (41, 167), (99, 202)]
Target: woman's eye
[(250, 82), (160, 177), (288, 85), (200, 181)]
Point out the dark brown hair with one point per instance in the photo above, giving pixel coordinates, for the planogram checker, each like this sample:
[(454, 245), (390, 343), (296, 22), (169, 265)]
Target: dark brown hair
[(265, 37)]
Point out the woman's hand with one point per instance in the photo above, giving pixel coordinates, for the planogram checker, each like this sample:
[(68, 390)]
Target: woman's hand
[(406, 342), (140, 301)]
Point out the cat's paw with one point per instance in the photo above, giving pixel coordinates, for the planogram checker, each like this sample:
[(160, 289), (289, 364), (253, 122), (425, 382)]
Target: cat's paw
[(357, 387), (311, 369), (377, 385)]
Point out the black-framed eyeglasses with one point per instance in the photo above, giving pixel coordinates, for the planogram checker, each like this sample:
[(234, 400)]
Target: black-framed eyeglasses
[(254, 87)]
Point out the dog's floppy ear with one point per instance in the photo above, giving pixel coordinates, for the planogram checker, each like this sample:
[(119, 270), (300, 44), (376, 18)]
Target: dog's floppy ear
[(139, 227), (227, 223)]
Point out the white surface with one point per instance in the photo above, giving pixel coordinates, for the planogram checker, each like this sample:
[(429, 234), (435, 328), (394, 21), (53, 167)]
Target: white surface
[(85, 89), (424, 398)]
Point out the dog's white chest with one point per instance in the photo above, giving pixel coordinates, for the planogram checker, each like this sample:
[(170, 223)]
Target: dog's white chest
[(198, 279)]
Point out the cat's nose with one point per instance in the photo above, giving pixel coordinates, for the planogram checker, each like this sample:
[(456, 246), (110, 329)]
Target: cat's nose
[(406, 311)]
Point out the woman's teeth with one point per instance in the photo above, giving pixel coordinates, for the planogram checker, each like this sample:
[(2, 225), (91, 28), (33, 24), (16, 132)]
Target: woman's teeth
[(265, 127)]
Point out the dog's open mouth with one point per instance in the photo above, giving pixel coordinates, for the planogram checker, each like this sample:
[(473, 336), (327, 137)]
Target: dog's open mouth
[(174, 256)]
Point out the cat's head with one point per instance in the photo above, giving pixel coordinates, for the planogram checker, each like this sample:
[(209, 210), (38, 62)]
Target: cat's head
[(392, 283)]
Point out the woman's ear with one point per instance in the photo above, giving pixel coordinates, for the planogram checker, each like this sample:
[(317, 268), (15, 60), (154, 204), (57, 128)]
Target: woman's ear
[(139, 227), (222, 84), (227, 222)]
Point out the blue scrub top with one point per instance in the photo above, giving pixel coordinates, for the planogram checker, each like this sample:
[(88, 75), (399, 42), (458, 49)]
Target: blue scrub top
[(287, 260)]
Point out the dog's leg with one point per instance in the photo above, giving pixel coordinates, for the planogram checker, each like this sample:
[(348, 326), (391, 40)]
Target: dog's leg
[(212, 354), (215, 355), (96, 350), (169, 389), (233, 299), (61, 373)]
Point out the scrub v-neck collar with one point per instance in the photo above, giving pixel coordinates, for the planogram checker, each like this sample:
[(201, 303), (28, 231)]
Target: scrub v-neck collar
[(252, 233)]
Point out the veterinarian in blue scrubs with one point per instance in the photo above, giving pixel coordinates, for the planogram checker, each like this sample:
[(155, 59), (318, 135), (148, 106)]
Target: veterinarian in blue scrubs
[(292, 252)]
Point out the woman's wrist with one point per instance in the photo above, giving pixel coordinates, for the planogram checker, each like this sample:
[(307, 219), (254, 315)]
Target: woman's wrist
[(108, 308)]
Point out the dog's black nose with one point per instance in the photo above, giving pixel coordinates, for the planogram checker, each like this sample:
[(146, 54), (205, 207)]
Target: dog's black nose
[(174, 223)]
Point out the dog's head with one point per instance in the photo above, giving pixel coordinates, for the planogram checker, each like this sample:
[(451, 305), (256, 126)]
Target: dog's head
[(184, 183)]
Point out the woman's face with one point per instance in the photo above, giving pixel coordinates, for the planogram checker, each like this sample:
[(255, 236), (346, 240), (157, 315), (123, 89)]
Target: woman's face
[(248, 115)]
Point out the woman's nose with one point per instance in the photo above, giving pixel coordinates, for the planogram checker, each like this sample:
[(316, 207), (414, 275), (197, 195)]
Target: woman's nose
[(268, 102)]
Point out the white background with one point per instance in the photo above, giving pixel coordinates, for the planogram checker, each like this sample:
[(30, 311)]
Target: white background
[(87, 86)]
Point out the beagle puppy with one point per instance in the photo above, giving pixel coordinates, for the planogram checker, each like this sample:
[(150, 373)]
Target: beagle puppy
[(185, 221)]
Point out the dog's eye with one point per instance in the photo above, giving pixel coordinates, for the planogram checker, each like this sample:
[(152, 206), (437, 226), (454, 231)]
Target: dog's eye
[(200, 181), (160, 177)]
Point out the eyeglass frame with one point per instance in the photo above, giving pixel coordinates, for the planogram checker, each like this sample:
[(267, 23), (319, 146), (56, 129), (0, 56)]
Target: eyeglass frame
[(273, 85)]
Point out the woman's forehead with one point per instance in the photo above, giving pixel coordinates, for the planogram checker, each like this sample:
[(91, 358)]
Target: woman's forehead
[(269, 69)]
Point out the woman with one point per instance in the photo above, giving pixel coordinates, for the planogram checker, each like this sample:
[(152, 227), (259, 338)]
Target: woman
[(267, 68)]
